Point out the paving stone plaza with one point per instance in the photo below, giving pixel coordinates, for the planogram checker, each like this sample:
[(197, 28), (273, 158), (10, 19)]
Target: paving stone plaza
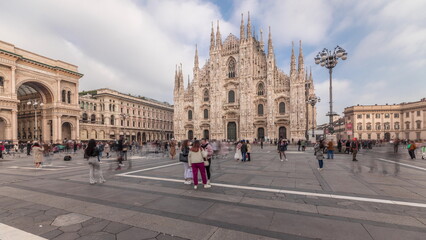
[(261, 199)]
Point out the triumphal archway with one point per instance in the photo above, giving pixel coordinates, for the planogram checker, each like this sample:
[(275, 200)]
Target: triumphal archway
[(38, 97)]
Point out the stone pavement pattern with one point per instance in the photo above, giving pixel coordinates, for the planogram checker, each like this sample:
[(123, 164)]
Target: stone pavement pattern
[(57, 202)]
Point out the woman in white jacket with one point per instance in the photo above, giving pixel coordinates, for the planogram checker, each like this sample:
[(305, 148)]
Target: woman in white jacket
[(196, 161)]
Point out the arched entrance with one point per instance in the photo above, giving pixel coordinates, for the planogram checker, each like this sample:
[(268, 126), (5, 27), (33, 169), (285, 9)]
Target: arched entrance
[(139, 137), (190, 134), (282, 132), (232, 131), (66, 130), (206, 134), (260, 133), (34, 99), (143, 137), (387, 137)]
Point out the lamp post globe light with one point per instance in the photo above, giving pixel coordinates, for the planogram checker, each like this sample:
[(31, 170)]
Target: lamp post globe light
[(35, 105), (329, 59), (312, 100)]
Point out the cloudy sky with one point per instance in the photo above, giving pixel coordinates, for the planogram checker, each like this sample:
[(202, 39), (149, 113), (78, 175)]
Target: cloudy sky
[(133, 46)]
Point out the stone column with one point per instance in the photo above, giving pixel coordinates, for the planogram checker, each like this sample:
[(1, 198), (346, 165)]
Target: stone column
[(45, 129), (59, 127), (77, 129), (55, 129), (13, 83), (14, 127)]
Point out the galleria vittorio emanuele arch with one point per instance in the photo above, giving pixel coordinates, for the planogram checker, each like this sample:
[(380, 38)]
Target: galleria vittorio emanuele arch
[(36, 87)]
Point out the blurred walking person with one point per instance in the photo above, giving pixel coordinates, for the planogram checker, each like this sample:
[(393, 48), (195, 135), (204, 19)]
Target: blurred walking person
[(238, 154), (248, 151), (172, 148), (330, 150), (183, 157), (411, 147), (282, 147), (38, 154)]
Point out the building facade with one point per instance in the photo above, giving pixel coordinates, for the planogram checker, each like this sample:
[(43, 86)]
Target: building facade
[(107, 114), (385, 122), (27, 78), (240, 93)]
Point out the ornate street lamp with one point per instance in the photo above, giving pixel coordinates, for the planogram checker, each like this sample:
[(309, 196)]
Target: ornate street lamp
[(312, 101), (124, 116), (328, 59), (35, 104)]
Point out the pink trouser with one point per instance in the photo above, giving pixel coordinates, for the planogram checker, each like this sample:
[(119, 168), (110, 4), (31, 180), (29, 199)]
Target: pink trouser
[(195, 167)]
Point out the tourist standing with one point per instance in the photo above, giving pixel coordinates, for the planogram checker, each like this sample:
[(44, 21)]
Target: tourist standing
[(91, 154), (248, 150), (183, 157), (206, 146), (238, 154), (28, 148), (196, 162), (319, 153), (299, 144), (282, 147), (244, 151), (38, 154), (330, 150), (261, 143), (339, 146)]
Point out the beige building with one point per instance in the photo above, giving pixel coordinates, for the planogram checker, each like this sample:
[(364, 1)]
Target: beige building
[(29, 77), (240, 93), (107, 114), (403, 121)]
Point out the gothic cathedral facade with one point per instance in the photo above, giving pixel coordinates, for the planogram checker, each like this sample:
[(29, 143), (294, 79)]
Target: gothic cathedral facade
[(240, 93)]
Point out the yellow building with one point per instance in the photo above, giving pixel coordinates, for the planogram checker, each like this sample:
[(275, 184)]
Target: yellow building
[(107, 114), (403, 121)]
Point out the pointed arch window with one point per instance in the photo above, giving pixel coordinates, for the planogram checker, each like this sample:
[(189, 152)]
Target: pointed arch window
[(190, 115), (206, 114), (206, 95), (260, 89), (281, 108), (231, 96), (231, 67), (260, 109)]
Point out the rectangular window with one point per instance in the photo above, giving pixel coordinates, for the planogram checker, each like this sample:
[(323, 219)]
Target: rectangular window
[(396, 115), (418, 124), (121, 109), (418, 113), (367, 116), (407, 114), (359, 116), (417, 135), (378, 115), (387, 115)]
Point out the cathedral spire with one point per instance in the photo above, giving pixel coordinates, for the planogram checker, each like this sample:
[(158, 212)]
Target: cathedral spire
[(262, 44), (188, 82), (293, 60), (176, 79), (180, 77), (212, 43), (196, 57), (218, 37), (310, 74), (300, 63), (248, 26), (242, 33), (270, 47)]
